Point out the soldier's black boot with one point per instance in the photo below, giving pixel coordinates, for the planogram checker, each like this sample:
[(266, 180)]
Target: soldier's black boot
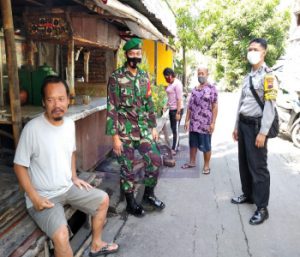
[(132, 206), (151, 199)]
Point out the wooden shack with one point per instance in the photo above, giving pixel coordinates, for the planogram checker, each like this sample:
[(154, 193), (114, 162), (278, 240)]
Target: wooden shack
[(78, 40)]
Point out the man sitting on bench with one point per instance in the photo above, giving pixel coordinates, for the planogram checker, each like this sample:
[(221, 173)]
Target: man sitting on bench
[(45, 166)]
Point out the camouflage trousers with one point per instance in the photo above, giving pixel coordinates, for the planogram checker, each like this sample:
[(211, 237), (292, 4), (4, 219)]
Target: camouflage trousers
[(152, 161)]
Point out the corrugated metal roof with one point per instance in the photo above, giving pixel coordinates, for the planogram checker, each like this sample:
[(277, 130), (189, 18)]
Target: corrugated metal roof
[(138, 23), (158, 12)]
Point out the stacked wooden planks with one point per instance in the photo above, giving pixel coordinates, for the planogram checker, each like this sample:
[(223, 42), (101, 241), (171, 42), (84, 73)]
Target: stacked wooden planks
[(19, 235)]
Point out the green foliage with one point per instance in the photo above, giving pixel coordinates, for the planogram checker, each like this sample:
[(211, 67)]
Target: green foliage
[(178, 66), (192, 66), (144, 65), (187, 32), (223, 29), (159, 97)]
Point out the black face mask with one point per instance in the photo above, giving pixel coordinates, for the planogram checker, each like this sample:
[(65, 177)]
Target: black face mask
[(132, 62)]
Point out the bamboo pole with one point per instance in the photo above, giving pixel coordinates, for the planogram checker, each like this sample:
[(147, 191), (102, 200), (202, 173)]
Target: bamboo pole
[(71, 70), (1, 83), (30, 54), (12, 67), (86, 66)]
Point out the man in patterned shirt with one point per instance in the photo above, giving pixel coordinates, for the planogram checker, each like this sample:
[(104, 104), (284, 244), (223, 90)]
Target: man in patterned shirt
[(131, 122)]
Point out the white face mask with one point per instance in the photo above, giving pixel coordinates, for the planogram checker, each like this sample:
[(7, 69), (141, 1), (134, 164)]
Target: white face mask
[(253, 57)]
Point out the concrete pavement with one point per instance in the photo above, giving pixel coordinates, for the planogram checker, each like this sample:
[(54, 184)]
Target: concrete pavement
[(199, 219)]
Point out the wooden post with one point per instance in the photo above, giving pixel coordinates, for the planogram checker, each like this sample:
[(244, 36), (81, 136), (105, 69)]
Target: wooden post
[(86, 66), (1, 83), (71, 70), (12, 67), (30, 54)]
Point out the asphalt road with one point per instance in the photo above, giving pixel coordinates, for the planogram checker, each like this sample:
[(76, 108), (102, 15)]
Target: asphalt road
[(199, 219)]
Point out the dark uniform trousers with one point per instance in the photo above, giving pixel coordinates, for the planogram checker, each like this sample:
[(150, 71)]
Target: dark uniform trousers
[(254, 173), (175, 127)]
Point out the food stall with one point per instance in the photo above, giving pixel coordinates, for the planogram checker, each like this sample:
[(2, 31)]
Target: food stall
[(85, 59), (78, 40)]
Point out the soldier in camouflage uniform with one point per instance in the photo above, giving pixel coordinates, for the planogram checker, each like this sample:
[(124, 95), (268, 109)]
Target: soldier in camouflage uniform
[(131, 122)]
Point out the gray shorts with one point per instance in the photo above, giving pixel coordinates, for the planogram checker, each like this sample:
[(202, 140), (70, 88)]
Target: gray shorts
[(49, 220)]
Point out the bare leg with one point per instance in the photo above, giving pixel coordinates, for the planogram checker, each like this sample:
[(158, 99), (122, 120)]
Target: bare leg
[(97, 226), (206, 156), (193, 153), (61, 243)]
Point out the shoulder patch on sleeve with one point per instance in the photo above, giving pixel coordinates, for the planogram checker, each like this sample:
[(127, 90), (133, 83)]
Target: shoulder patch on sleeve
[(270, 87)]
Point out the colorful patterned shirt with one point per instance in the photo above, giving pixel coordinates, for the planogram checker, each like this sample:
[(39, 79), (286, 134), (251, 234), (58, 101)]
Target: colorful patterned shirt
[(130, 110), (200, 105)]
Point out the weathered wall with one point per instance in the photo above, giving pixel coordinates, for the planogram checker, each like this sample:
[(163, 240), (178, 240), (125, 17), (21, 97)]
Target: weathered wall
[(97, 66), (92, 143)]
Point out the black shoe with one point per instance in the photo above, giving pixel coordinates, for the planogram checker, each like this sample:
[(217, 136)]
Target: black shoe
[(151, 199), (132, 206), (241, 199), (260, 215)]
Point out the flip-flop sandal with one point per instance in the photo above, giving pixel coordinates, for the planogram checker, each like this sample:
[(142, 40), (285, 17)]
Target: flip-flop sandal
[(104, 250), (206, 172), (188, 166)]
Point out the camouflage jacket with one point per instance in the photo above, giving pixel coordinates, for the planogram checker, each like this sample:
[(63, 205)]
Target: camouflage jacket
[(130, 110)]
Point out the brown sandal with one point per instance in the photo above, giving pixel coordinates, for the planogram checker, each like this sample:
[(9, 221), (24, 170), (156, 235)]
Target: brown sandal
[(188, 166), (206, 172)]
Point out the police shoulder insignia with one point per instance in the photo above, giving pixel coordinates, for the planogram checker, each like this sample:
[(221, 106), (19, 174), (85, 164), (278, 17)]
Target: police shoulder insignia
[(270, 87), (269, 81)]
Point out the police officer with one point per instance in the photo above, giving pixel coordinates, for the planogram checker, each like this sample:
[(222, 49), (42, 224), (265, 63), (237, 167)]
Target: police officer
[(131, 122), (251, 129)]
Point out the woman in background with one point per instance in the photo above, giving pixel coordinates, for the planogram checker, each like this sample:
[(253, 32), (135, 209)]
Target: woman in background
[(174, 92)]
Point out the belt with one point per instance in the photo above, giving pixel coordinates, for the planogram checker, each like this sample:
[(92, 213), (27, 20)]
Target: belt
[(249, 120)]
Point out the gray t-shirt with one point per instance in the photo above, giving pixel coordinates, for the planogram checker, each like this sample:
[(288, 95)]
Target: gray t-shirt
[(46, 150)]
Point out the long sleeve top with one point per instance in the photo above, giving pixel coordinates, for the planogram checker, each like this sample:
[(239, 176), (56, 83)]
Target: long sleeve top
[(130, 110)]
